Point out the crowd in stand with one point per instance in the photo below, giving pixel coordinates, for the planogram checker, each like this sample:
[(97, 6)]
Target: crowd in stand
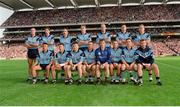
[(86, 15), (16, 50)]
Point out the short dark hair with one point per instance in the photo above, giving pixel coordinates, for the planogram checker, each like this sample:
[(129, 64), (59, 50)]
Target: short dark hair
[(142, 40), (75, 42), (60, 44), (128, 39), (44, 43), (101, 40)]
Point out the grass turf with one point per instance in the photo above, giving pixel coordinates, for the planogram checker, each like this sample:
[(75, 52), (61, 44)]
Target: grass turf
[(15, 91)]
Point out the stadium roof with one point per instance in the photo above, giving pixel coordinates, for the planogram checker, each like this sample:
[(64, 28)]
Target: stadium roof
[(61, 4)]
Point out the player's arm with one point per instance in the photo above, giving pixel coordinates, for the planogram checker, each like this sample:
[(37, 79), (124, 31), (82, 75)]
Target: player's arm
[(108, 40), (51, 42)]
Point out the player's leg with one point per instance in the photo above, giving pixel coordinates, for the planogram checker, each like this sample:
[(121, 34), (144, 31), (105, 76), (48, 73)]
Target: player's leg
[(106, 70), (98, 74), (34, 72), (156, 71), (30, 63), (84, 73), (111, 69), (150, 75), (53, 70), (79, 69), (131, 70), (122, 77), (92, 72), (68, 79), (140, 73), (118, 73), (47, 70)]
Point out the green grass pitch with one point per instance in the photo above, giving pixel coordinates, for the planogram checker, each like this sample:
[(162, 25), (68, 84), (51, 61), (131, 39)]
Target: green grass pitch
[(15, 91)]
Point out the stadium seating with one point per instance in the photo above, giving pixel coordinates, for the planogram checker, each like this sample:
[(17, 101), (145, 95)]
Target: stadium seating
[(87, 15)]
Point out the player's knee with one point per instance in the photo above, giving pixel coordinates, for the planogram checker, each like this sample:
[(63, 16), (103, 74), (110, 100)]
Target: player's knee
[(154, 66), (139, 66), (135, 67), (123, 67)]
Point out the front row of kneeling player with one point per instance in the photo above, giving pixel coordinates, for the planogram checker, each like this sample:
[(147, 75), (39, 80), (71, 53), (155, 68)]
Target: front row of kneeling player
[(89, 63)]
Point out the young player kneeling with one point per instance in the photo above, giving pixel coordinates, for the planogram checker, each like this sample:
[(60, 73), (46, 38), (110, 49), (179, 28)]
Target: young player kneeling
[(116, 56), (128, 60), (60, 62), (44, 62), (76, 58), (146, 61), (89, 62), (103, 59)]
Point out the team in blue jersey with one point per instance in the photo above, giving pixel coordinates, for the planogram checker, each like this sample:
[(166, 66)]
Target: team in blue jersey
[(116, 58)]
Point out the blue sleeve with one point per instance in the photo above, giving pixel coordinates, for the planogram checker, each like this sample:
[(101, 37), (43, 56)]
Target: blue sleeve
[(52, 38), (136, 39), (90, 39), (26, 40), (78, 38), (148, 36), (117, 37), (37, 40), (97, 39), (41, 40), (60, 39)]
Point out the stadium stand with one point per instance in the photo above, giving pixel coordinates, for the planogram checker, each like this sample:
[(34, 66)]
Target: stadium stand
[(106, 14)]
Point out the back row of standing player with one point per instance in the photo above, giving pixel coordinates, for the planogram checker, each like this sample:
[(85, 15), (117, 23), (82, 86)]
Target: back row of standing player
[(81, 55)]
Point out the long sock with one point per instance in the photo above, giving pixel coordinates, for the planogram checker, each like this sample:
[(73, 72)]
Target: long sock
[(140, 78), (158, 79)]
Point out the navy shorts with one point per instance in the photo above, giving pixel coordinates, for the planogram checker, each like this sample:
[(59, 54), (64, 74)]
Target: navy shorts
[(32, 53), (43, 66)]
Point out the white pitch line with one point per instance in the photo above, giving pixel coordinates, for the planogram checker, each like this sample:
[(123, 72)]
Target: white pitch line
[(172, 66)]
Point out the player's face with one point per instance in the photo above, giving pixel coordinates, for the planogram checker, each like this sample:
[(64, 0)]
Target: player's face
[(75, 47), (129, 43), (143, 44), (123, 28), (61, 48), (83, 29), (33, 31), (115, 44), (141, 29), (47, 32), (103, 28), (65, 32), (45, 47), (102, 44), (90, 46)]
